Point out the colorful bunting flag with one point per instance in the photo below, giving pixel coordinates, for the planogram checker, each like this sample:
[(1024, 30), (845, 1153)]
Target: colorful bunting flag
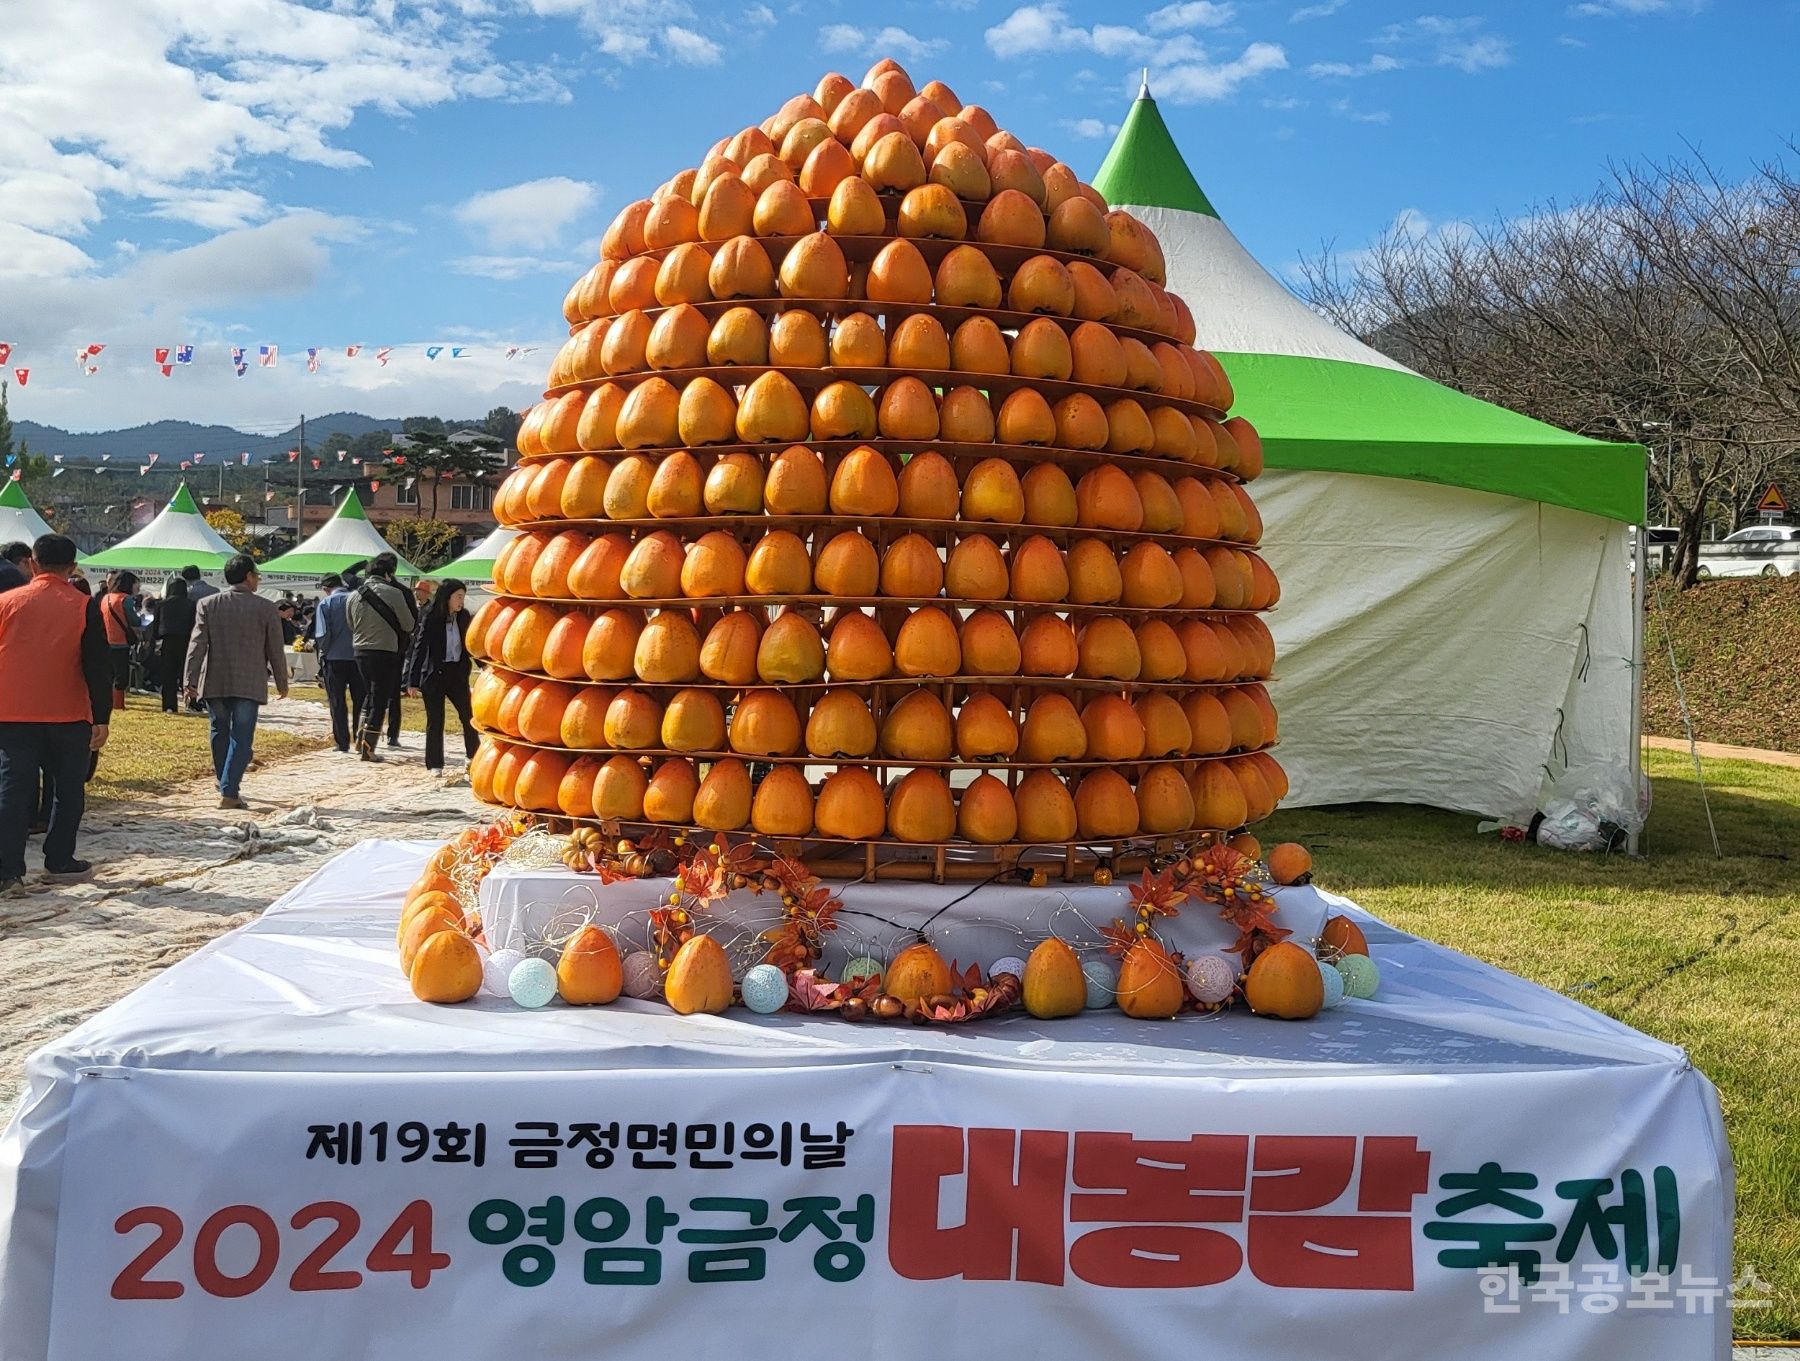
[(22, 375), (456, 351), (312, 358), (167, 369), (315, 464), (343, 454), (59, 472), (5, 351), (433, 351), (185, 465), (93, 350), (381, 355), (293, 455), (351, 351), (268, 496), (184, 354), (151, 460), (244, 459), (143, 468), (266, 355), (162, 354)]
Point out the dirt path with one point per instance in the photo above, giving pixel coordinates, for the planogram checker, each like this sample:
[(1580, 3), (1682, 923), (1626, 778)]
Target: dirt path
[(173, 872), (1721, 751)]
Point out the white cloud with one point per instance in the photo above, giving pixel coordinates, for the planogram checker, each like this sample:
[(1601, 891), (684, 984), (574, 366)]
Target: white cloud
[(1606, 9), (505, 267), (1374, 66), (1458, 43), (1323, 10), (1190, 14), (759, 16), (884, 42), (533, 214), (691, 48), (1090, 127), (1201, 82), (1343, 108), (1181, 70)]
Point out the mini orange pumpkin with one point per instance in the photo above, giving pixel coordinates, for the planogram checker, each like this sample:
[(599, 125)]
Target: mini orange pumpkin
[(1290, 863), (1340, 937), (589, 973), (447, 968), (1284, 981), (918, 972), (1149, 983)]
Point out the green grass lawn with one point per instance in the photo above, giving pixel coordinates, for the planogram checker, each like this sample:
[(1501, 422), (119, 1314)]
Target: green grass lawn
[(1699, 952), (148, 751)]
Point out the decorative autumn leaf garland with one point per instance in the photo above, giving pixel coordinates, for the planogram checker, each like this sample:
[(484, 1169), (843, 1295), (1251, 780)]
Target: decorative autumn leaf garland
[(706, 873)]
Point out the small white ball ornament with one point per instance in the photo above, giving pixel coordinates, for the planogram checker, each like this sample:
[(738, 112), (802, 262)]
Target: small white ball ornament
[(1211, 978), (1102, 982), (641, 978), (1361, 977), (1334, 985), (497, 968), (532, 983), (765, 989), (861, 967), (1011, 964)]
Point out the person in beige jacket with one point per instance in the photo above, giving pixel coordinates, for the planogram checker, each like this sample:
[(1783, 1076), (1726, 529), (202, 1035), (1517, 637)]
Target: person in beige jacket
[(234, 651)]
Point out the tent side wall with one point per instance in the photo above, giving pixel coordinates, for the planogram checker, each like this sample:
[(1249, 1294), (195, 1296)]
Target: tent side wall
[(1429, 643)]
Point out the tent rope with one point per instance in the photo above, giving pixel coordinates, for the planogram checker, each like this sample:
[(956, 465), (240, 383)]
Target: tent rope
[(1687, 717), (1587, 654)]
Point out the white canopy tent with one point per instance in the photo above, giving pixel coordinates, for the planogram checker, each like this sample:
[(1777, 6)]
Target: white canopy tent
[(342, 541), (178, 537), (476, 566), (19, 520), (1456, 625)]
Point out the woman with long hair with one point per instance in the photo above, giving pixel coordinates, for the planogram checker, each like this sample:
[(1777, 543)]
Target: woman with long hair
[(174, 626), (119, 613), (438, 669)]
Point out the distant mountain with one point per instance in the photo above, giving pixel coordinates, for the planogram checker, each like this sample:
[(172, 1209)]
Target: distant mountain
[(181, 439)]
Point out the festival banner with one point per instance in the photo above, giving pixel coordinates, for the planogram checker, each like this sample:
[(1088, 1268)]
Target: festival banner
[(699, 1211)]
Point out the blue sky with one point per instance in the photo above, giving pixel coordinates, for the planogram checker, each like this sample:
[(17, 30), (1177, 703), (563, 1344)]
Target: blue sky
[(391, 173)]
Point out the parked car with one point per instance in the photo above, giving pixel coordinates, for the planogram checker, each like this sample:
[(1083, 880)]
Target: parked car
[(1763, 550)]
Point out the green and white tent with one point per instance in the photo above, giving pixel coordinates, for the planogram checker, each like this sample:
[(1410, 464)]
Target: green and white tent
[(1456, 617), (342, 541), (477, 565), (178, 537), (19, 520)]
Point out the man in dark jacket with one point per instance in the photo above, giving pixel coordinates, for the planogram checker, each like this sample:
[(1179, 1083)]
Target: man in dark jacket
[(174, 626), (381, 628), (15, 568), (55, 703), (338, 671)]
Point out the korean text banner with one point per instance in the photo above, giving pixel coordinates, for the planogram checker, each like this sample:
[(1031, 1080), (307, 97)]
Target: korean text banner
[(896, 1209)]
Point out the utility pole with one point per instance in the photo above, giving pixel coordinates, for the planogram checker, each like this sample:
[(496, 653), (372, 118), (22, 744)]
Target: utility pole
[(300, 483)]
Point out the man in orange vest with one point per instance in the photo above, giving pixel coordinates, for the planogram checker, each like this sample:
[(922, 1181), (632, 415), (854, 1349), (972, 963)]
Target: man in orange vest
[(55, 700)]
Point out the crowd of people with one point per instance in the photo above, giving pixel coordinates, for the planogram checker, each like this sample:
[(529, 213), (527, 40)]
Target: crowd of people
[(70, 653)]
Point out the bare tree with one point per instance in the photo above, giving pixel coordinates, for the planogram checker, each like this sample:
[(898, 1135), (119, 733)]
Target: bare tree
[(1663, 311)]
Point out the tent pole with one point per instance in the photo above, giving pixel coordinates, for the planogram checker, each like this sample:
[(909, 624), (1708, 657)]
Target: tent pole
[(1640, 564)]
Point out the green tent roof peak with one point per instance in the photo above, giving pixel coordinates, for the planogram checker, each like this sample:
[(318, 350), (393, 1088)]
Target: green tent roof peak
[(1145, 169), (14, 495), (352, 507), (182, 502)]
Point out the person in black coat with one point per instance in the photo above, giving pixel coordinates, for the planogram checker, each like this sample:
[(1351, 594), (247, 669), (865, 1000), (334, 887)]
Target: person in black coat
[(174, 626), (438, 669)]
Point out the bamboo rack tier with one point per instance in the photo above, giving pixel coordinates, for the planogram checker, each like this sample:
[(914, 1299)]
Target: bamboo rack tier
[(832, 309), (876, 762), (956, 451), (1004, 533), (810, 379), (987, 684)]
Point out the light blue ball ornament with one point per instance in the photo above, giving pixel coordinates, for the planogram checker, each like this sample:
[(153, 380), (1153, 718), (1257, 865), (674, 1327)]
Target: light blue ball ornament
[(1211, 978), (1011, 964), (1102, 982), (1361, 977), (765, 989), (863, 966), (1334, 985), (532, 983), (497, 968)]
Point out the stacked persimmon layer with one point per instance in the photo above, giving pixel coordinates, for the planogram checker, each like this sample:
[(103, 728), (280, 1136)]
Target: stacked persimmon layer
[(878, 449)]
